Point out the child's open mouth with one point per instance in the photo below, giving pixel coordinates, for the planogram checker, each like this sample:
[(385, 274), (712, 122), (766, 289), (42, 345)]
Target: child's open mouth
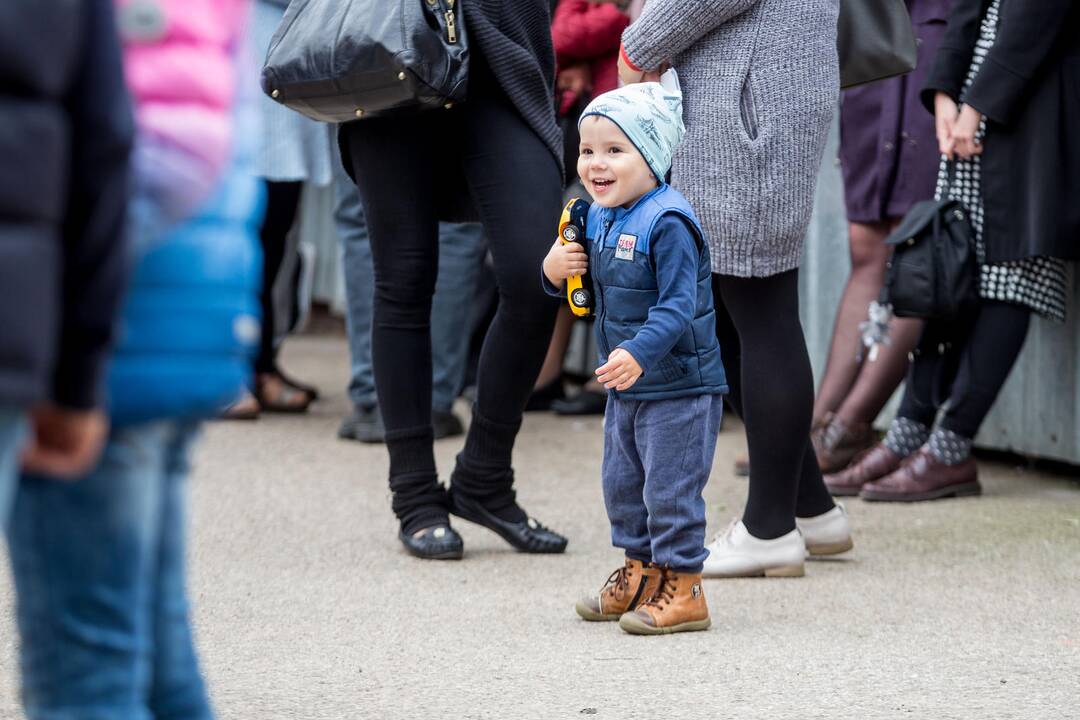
[(602, 186)]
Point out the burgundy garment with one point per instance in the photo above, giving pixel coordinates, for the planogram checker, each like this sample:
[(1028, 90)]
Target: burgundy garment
[(583, 31), (888, 147)]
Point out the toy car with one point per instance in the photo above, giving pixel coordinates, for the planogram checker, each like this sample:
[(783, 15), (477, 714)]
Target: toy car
[(579, 289)]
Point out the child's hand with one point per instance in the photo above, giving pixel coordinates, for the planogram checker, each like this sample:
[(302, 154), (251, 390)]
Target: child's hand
[(563, 261), (620, 371)]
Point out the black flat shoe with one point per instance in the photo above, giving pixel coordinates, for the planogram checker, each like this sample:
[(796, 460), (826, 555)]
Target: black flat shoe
[(542, 397), (585, 402), (439, 542), (446, 424), (527, 536)]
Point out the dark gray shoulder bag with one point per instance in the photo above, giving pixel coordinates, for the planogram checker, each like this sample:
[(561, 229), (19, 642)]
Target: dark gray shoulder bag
[(875, 41), (339, 60)]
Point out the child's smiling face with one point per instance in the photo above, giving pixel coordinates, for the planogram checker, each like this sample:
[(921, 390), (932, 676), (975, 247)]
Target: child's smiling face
[(610, 167)]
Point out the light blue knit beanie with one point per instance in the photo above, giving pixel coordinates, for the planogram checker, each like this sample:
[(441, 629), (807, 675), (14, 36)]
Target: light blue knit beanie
[(650, 114)]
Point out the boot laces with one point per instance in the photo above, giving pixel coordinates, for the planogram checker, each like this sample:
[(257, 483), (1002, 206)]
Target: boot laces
[(618, 581), (665, 590)]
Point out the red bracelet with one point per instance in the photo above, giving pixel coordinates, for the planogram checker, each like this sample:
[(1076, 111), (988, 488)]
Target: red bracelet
[(626, 59)]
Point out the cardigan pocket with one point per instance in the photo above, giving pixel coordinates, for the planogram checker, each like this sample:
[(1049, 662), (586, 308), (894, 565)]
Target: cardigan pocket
[(748, 109)]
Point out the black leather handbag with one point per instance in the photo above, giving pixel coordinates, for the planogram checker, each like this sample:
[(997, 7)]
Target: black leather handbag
[(339, 60), (875, 40), (933, 271)]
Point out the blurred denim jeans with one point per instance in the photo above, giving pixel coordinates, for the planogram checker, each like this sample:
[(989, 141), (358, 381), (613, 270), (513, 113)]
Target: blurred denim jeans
[(12, 433), (99, 575), (461, 250)]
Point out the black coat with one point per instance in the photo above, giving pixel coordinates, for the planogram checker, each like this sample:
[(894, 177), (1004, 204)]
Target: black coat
[(1029, 90), (65, 136)]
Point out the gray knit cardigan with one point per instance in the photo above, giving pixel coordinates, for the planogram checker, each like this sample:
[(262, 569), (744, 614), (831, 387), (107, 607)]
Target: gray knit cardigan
[(760, 84)]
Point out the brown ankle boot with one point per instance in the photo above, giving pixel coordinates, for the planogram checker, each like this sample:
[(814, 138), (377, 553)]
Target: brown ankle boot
[(678, 605), (629, 586)]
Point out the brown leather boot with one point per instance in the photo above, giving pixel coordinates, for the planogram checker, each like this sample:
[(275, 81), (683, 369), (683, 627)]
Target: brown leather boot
[(837, 444), (924, 477), (874, 464), (678, 605), (629, 586)]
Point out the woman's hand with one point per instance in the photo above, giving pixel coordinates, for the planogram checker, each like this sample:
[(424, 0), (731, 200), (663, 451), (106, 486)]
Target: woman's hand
[(945, 115), (620, 371), (966, 144), (564, 261)]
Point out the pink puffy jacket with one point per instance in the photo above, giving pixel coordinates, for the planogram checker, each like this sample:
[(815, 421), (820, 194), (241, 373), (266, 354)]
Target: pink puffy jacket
[(180, 60)]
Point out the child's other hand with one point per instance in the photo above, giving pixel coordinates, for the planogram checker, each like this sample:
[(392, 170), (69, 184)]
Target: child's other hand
[(620, 371), (563, 261)]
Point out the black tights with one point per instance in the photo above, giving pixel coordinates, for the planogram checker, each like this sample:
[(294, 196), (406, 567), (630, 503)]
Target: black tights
[(404, 167), (772, 390), (282, 200), (966, 363)]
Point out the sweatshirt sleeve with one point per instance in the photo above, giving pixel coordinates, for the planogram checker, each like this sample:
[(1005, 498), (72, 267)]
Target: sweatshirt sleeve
[(549, 288), (95, 257), (1029, 30), (674, 252), (667, 27)]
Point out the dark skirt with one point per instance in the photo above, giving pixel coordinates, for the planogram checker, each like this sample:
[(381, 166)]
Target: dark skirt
[(888, 147)]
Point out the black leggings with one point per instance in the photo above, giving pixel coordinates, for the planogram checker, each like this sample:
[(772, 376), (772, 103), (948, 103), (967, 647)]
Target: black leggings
[(772, 390), (965, 363), (282, 200), (405, 168)]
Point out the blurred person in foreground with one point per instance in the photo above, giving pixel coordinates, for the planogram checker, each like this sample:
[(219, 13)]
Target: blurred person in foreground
[(65, 136), (98, 557)]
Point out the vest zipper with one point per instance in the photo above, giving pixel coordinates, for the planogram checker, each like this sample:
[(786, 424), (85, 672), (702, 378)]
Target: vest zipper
[(451, 22), (605, 228)]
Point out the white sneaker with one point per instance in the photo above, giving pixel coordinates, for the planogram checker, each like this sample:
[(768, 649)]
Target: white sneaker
[(737, 553), (828, 533)]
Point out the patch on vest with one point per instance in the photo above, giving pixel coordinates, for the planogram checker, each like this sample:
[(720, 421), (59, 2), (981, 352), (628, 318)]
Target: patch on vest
[(625, 248)]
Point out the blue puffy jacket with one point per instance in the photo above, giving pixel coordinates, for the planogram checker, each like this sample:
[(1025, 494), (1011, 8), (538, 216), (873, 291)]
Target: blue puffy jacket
[(190, 323)]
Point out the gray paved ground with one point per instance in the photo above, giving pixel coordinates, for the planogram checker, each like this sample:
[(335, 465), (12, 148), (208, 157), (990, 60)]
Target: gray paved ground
[(306, 607)]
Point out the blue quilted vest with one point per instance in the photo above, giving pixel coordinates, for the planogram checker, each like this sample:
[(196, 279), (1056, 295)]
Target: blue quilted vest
[(626, 289), (190, 324)]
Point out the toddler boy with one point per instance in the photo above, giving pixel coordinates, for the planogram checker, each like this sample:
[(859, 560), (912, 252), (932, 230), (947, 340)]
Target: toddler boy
[(655, 330)]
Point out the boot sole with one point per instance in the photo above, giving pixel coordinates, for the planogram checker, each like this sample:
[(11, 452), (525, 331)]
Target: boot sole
[(446, 555), (962, 490), (632, 625), (587, 614), (830, 548), (783, 571)]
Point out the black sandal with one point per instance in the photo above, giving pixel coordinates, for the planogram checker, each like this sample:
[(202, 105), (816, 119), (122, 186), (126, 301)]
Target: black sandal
[(310, 390), (285, 400)]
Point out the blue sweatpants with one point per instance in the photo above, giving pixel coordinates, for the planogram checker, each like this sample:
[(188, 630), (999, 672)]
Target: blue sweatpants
[(657, 458)]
